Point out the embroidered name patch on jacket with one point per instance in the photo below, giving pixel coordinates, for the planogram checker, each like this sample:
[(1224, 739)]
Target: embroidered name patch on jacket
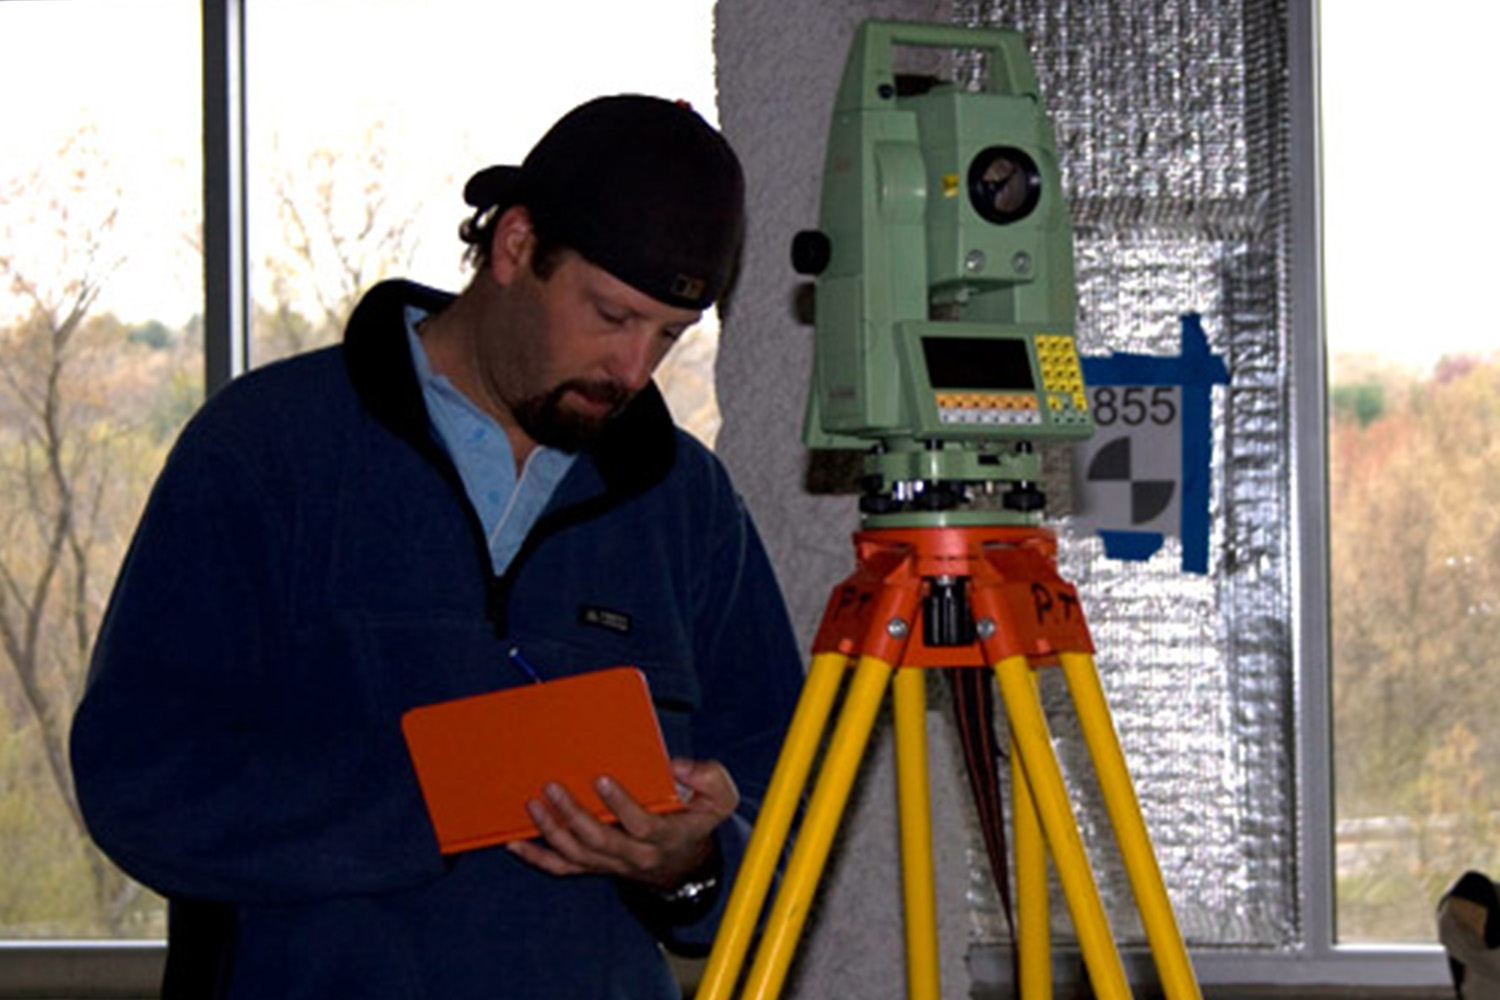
[(605, 618)]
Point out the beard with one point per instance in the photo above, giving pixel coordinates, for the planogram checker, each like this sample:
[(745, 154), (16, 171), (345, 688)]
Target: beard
[(548, 422)]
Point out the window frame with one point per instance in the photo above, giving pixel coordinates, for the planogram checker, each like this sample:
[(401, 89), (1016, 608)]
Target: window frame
[(133, 968)]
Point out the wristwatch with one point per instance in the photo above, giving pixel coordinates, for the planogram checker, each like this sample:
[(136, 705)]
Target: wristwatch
[(683, 904), (692, 891)]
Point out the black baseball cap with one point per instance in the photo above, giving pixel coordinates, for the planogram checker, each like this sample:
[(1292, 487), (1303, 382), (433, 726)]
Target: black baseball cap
[(640, 186)]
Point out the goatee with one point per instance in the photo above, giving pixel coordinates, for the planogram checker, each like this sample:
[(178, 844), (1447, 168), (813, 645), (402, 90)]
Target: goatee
[(548, 422)]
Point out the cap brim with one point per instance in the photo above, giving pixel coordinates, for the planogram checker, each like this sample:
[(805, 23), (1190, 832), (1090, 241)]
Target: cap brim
[(493, 186)]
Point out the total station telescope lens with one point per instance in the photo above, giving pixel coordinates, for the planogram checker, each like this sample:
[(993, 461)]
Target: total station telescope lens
[(1004, 184)]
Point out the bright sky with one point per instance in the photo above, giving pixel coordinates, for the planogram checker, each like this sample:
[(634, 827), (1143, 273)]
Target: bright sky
[(1411, 206), (460, 85)]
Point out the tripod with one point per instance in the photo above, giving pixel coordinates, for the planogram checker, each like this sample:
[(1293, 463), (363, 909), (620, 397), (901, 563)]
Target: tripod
[(985, 597)]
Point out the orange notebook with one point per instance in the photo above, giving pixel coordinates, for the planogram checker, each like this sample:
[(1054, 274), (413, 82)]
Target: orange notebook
[(480, 759)]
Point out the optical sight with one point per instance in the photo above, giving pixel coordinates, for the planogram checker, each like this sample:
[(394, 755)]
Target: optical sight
[(944, 340)]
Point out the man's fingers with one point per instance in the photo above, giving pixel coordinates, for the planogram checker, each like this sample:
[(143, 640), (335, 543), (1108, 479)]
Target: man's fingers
[(560, 821), (640, 845), (711, 786), (573, 832), (634, 818)]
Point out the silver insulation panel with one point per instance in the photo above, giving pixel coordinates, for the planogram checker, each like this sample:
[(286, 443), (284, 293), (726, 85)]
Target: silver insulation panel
[(1170, 118)]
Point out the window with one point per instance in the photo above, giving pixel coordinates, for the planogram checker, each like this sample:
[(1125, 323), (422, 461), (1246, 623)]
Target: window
[(1414, 468), (365, 182), (100, 331), (106, 349)]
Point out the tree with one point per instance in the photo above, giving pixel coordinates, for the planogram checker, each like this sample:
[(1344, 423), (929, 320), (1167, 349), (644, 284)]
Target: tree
[(341, 231), (71, 469), (1416, 621), (1364, 402)]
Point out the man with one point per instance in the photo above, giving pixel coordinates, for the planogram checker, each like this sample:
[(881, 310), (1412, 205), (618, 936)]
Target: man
[(467, 489)]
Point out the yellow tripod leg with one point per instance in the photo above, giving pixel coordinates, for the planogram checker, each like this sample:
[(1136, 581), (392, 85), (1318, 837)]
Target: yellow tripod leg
[(758, 868), (1172, 966), (1028, 726), (914, 797), (824, 809), (1033, 908)]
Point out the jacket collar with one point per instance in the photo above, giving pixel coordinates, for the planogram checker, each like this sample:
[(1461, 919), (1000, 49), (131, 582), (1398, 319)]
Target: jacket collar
[(634, 454)]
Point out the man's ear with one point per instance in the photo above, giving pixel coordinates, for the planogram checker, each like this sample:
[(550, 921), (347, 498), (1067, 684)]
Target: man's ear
[(513, 242)]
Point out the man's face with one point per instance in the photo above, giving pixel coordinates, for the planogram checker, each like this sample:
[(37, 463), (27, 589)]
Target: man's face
[(577, 347)]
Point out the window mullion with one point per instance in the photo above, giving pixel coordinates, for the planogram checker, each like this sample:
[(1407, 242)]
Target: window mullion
[(225, 239)]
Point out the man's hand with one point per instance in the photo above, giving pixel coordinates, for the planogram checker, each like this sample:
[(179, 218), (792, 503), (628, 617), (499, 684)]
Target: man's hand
[(659, 851)]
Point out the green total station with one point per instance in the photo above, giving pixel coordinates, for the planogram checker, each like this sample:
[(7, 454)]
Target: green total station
[(944, 343)]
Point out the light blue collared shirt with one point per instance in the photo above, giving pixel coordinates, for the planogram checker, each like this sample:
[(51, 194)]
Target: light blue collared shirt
[(508, 507)]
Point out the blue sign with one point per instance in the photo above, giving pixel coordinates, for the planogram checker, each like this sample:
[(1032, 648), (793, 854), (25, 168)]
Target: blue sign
[(1145, 472)]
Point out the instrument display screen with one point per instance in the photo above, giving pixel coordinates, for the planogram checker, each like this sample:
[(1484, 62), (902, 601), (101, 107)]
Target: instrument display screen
[(985, 363)]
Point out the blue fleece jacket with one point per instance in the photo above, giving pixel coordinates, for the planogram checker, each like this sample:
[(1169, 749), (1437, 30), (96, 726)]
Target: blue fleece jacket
[(307, 569)]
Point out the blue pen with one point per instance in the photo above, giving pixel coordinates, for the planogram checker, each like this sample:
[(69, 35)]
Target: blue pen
[(526, 668)]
